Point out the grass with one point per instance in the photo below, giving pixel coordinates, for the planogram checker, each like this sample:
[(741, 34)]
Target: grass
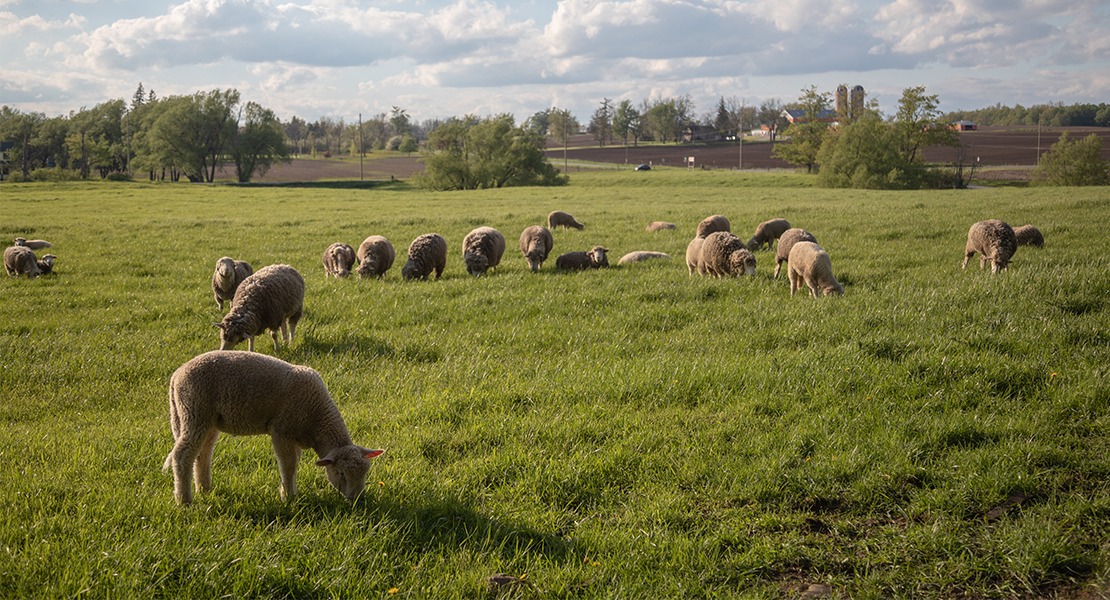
[(626, 433)]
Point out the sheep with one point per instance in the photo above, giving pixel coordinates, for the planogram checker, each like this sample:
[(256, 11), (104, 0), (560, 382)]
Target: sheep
[(558, 218), (660, 226), (228, 275), (722, 253), (338, 259), (1028, 235), (427, 252), (786, 242), (272, 298), (642, 255), (577, 261), (713, 224), (375, 257), (241, 393), (994, 240), (767, 232), (693, 254), (46, 264), (536, 243), (810, 263), (482, 250), (20, 260), (33, 244)]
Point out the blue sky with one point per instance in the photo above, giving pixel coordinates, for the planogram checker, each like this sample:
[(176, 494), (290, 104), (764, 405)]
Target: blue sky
[(438, 58)]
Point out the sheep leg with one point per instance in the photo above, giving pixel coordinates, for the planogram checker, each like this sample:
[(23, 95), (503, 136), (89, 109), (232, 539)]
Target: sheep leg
[(183, 458), (250, 344), (288, 455), (293, 320), (982, 260), (813, 289), (794, 277), (967, 257), (274, 336), (203, 470)]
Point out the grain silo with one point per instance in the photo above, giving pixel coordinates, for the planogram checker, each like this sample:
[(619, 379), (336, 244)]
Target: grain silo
[(857, 102), (841, 102)]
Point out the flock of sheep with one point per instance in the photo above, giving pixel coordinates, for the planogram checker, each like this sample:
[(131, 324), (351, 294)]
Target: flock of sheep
[(20, 258)]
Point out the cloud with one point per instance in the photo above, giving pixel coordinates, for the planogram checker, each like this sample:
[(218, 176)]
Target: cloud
[(11, 24)]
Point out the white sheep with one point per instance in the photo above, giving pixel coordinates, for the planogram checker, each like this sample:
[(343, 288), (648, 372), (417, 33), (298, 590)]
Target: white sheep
[(660, 226), (578, 261), (338, 259), (536, 243), (810, 263), (427, 253), (20, 260), (375, 257), (226, 278), (33, 244), (786, 242), (642, 255), (482, 250), (994, 240), (46, 264), (767, 232), (693, 254), (272, 298), (558, 218), (242, 393), (722, 253), (1028, 235), (713, 224)]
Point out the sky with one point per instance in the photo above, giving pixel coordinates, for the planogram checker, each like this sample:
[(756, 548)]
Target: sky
[(442, 58)]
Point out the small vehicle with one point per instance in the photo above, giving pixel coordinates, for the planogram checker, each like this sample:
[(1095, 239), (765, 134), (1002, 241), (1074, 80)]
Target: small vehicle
[(643, 168)]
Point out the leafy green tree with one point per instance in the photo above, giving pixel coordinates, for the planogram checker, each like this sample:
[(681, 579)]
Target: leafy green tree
[(920, 125), (409, 145), (626, 121), (1073, 163), (399, 121), (808, 133), (770, 114), (661, 120), (561, 125), (259, 142), (486, 153), (601, 124), (867, 154), (22, 129), (195, 131)]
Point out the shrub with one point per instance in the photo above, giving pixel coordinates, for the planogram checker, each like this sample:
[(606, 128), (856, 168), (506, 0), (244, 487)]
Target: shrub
[(119, 177), (53, 175), (1073, 163)]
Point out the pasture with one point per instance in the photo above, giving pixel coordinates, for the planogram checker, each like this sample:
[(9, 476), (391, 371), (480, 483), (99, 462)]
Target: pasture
[(624, 433)]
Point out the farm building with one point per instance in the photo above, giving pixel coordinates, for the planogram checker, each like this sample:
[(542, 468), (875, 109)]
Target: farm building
[(965, 126), (797, 115)]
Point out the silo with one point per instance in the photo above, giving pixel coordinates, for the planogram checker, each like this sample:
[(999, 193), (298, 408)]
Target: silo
[(842, 100), (857, 101)]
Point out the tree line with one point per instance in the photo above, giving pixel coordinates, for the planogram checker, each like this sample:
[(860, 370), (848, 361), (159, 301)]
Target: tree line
[(1047, 115)]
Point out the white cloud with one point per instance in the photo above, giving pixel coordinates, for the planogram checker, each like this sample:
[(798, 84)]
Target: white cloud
[(11, 24)]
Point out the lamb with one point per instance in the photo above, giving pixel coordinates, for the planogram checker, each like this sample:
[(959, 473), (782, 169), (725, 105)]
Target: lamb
[(375, 257), (994, 240), (767, 232), (809, 262), (693, 254), (272, 298), (642, 255), (227, 277), (558, 218), (786, 242), (33, 244), (427, 252), (660, 226), (578, 261), (338, 259), (20, 260), (482, 250), (536, 243), (241, 393), (1028, 235), (713, 224), (722, 253), (46, 264)]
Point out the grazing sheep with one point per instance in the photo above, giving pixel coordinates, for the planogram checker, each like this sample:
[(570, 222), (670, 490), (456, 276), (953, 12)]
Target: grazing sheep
[(33, 244), (642, 255), (427, 253), (241, 393), (375, 257), (660, 226), (693, 254), (767, 232), (578, 261), (786, 242), (722, 253), (810, 263), (228, 275), (482, 250), (272, 298), (20, 260), (536, 243), (46, 264), (338, 259), (713, 224), (994, 240), (558, 218), (1028, 235)]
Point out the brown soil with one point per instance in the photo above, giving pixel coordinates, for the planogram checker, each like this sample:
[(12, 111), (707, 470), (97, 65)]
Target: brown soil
[(314, 169)]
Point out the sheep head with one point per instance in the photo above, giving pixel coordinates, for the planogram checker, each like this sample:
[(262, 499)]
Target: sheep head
[(233, 330), (476, 264), (741, 262), (597, 255), (346, 468)]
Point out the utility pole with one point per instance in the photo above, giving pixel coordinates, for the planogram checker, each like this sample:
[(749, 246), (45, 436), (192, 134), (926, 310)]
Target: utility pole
[(740, 133), (360, 148)]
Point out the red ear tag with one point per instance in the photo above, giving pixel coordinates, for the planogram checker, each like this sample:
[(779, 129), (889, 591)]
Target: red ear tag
[(373, 453)]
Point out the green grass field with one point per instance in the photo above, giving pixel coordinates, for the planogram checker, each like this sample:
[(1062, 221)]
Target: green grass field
[(625, 433)]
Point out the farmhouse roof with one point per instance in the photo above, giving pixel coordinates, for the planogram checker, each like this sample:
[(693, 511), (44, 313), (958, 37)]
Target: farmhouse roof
[(795, 115)]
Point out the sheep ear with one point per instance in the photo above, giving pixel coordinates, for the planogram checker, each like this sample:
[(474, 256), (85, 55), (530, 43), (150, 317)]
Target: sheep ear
[(327, 460), (220, 325), (370, 453)]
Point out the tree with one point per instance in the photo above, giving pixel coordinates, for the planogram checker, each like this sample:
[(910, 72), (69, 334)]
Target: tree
[(259, 142), (867, 154), (22, 129), (561, 125), (808, 133), (625, 121), (194, 131), (399, 121), (408, 145), (139, 97), (601, 124), (538, 122), (770, 114), (477, 153), (723, 121), (1073, 163), (661, 120), (920, 124)]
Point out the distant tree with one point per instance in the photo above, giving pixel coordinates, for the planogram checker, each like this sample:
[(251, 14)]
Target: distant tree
[(723, 121), (474, 153), (625, 121), (561, 125), (139, 97), (661, 120), (296, 130), (408, 145), (195, 131), (806, 134), (601, 123), (538, 122), (259, 142), (22, 129), (1073, 163), (770, 114), (920, 125), (867, 154), (399, 121)]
